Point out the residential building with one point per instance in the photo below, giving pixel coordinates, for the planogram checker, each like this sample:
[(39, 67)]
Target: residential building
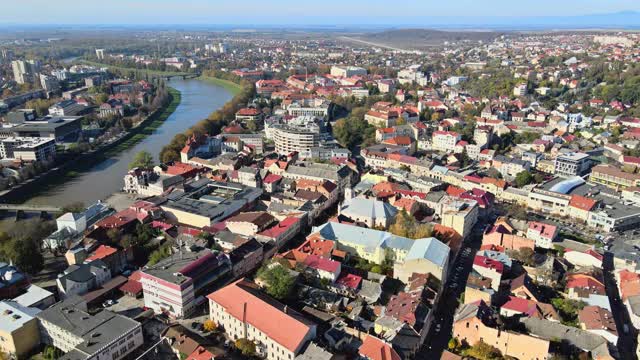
[(347, 71), (66, 108), (542, 233), (458, 214), (445, 140), (599, 321), (78, 279), (106, 335), (476, 321), (572, 164), (245, 312), (19, 335), (172, 285), (27, 149), (373, 348)]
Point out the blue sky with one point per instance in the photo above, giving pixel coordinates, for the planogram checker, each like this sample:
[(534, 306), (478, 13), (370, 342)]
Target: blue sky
[(255, 12)]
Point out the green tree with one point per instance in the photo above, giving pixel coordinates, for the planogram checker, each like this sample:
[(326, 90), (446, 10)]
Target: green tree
[(25, 254), (453, 344), (278, 279), (169, 155), (523, 178), (568, 309), (483, 351), (407, 226), (143, 160)]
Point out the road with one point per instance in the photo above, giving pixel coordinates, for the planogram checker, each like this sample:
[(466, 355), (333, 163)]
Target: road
[(347, 38), (627, 342), (437, 342)]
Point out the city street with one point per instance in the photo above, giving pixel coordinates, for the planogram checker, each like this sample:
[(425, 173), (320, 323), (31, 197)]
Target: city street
[(436, 342)]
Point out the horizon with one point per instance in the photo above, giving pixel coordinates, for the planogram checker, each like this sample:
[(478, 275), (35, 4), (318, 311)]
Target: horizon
[(287, 13)]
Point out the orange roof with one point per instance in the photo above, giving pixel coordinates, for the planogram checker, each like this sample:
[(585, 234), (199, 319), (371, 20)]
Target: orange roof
[(243, 300), (582, 202), (398, 140), (102, 252), (376, 349)]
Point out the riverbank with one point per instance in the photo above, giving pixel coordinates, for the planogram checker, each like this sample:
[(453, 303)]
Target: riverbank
[(232, 87), (144, 71), (84, 162)]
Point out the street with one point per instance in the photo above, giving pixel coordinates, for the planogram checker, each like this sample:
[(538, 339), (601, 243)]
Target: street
[(436, 342), (627, 340)]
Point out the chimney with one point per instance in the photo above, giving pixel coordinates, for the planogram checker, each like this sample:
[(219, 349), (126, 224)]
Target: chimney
[(244, 320), (286, 309)]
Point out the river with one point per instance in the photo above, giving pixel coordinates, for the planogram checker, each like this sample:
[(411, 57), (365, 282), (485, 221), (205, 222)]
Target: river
[(199, 99)]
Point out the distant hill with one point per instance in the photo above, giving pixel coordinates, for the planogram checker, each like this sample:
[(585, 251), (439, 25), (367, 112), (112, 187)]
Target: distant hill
[(419, 38)]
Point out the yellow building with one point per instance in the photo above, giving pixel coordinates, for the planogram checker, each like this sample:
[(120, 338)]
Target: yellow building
[(19, 334)]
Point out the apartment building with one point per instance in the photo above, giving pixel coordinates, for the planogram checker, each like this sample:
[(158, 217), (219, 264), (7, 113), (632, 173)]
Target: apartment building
[(347, 71), (172, 285), (613, 177), (247, 313), (444, 140), (27, 148), (19, 334), (572, 164), (106, 335)]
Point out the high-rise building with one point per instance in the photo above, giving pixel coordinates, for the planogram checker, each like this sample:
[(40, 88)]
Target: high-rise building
[(100, 54), (24, 70), (49, 83)]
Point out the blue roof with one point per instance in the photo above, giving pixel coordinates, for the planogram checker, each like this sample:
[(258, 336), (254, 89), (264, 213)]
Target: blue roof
[(564, 187), (431, 249), (372, 208)]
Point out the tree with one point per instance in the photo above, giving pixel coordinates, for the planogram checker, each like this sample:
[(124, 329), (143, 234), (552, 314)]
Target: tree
[(453, 344), (407, 226), (51, 353), (247, 347), (524, 255), (278, 279), (568, 309), (143, 160), (523, 178), (484, 351), (25, 254), (210, 325)]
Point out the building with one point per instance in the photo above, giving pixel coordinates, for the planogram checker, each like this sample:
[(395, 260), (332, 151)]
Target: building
[(542, 233), (247, 313), (599, 321), (613, 177), (458, 214), (475, 322), (50, 84), (12, 281), (372, 212), (66, 108), (347, 71), (19, 334), (57, 128), (373, 348), (79, 279), (520, 90), (444, 140), (572, 164), (27, 149), (106, 335), (172, 285), (427, 255), (301, 139), (36, 297), (24, 71), (100, 54)]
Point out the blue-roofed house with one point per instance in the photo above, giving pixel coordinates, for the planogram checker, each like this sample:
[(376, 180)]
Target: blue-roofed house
[(425, 256), (420, 256), (371, 212)]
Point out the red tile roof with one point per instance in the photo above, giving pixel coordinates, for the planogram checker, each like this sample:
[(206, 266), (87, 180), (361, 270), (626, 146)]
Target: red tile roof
[(349, 280), (279, 228), (546, 230), (320, 263), (243, 300), (488, 263), (376, 349), (102, 252), (582, 203)]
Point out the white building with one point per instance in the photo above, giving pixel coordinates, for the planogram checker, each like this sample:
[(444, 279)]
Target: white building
[(347, 71), (572, 164), (27, 148), (245, 312), (445, 140)]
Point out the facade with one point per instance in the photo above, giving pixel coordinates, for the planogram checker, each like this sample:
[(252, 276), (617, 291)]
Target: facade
[(27, 149), (444, 140), (172, 285), (289, 139), (78, 279), (347, 71), (66, 108), (458, 214), (572, 164), (106, 335), (19, 334), (247, 313), (543, 234)]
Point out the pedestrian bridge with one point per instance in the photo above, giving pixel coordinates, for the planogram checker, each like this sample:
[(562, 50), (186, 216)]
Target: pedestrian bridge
[(30, 208)]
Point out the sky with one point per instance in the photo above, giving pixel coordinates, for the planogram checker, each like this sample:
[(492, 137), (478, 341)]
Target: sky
[(289, 12)]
